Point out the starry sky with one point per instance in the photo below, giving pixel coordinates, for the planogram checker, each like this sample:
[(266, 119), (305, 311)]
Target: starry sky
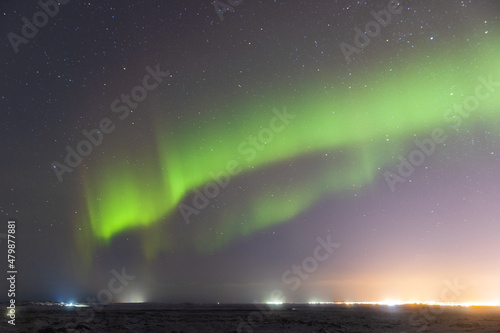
[(205, 150)]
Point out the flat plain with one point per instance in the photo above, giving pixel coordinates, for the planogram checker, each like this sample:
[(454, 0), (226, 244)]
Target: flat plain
[(229, 318)]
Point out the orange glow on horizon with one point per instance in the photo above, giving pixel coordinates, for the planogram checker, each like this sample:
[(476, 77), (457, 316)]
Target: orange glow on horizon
[(395, 303)]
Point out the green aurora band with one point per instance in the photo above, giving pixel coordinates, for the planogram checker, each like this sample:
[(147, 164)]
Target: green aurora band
[(366, 125)]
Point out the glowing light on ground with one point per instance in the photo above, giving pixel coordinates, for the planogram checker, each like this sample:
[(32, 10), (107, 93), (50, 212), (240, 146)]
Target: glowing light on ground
[(391, 303), (319, 303), (430, 303), (135, 299), (76, 305)]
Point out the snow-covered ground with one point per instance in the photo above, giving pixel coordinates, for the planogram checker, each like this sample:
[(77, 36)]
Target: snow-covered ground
[(193, 318)]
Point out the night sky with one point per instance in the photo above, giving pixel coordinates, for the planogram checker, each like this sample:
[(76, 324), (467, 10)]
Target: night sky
[(205, 153)]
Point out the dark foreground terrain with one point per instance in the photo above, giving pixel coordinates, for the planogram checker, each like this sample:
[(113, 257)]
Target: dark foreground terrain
[(188, 318)]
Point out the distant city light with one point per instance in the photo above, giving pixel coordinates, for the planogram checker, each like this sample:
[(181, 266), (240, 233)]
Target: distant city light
[(76, 305), (395, 303), (392, 303)]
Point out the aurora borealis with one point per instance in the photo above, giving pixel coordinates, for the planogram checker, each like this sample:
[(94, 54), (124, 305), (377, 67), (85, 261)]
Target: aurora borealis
[(402, 106), (261, 138)]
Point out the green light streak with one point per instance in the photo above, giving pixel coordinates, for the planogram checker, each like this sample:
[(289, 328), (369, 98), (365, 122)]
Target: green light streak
[(370, 123)]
